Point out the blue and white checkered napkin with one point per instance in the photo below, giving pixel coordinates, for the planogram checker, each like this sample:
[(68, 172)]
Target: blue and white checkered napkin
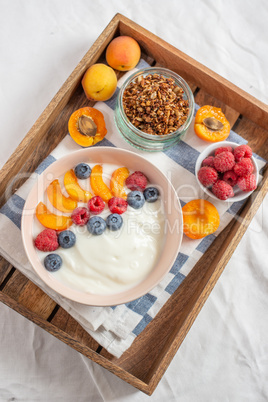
[(115, 328)]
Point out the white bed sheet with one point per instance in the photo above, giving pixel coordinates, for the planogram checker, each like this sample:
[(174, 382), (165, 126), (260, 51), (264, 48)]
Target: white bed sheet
[(225, 355)]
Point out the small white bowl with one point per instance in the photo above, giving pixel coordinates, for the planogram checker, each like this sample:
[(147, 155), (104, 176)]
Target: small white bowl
[(239, 195)]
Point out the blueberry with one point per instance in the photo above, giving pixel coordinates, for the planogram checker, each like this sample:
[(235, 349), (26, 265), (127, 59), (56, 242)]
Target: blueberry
[(96, 225), (114, 221), (53, 262), (66, 239), (151, 194), (135, 199), (82, 171)]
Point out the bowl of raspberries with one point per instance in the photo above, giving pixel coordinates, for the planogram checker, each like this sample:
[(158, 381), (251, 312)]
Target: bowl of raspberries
[(227, 171)]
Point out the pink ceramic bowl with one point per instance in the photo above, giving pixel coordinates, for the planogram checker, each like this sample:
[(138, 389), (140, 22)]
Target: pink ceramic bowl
[(134, 162)]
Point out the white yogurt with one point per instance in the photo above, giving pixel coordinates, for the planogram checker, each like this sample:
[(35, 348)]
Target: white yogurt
[(114, 261)]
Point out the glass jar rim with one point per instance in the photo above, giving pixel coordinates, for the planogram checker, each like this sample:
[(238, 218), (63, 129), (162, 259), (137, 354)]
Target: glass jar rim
[(167, 73)]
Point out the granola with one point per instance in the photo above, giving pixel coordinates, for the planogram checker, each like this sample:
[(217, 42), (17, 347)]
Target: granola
[(154, 104)]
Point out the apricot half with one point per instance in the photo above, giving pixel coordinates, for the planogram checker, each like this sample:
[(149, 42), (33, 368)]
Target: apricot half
[(200, 218), (123, 53), (73, 189), (58, 200), (211, 124), (78, 131), (117, 182), (50, 220), (97, 184)]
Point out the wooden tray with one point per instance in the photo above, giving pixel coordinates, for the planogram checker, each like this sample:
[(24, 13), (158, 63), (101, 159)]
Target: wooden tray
[(145, 362)]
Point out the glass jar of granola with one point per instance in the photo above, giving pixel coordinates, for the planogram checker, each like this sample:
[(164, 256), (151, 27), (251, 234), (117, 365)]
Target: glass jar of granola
[(154, 109)]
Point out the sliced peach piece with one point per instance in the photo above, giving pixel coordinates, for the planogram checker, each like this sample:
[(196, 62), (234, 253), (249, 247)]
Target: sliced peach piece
[(58, 200), (117, 182), (50, 220), (73, 188), (97, 184)]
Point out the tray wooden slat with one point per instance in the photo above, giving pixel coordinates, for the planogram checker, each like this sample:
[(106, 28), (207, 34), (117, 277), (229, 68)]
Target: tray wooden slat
[(64, 321), (34, 299), (5, 270), (145, 362)]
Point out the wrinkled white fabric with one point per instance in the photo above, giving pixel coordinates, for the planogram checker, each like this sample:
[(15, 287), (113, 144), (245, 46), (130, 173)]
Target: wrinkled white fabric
[(225, 354)]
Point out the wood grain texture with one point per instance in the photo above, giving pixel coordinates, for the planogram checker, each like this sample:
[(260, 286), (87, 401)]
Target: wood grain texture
[(145, 362), (15, 285), (64, 321), (35, 300), (5, 270)]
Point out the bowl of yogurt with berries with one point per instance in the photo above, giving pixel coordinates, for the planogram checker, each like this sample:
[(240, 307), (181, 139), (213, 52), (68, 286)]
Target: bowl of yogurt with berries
[(102, 226)]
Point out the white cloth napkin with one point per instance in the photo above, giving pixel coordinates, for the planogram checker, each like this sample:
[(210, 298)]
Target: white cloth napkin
[(115, 328)]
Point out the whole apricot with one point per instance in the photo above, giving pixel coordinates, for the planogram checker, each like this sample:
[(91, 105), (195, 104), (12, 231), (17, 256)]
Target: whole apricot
[(123, 53), (99, 82)]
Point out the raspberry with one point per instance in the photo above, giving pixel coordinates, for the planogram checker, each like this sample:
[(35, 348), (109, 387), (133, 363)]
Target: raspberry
[(207, 176), (247, 183), (136, 181), (223, 149), (244, 167), (209, 161), (222, 190), (96, 205), (80, 216), (242, 151), (117, 205), (230, 177), (224, 161), (47, 240)]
